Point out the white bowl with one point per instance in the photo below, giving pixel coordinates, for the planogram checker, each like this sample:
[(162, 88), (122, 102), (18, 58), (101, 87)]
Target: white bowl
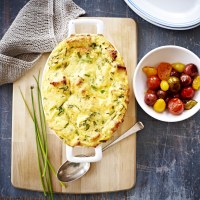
[(170, 54)]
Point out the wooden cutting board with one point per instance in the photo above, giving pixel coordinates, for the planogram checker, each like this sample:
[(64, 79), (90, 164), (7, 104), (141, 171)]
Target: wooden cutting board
[(117, 170)]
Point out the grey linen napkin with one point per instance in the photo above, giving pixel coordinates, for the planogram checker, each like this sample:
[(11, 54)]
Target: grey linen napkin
[(37, 29)]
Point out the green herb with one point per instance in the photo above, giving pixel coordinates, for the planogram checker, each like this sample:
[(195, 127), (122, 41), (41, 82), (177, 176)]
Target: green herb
[(93, 114), (111, 112), (70, 106), (61, 110), (94, 122), (94, 87), (86, 137), (93, 45), (76, 132), (87, 126), (102, 91), (87, 96), (113, 116), (122, 107), (64, 88), (66, 124), (79, 55), (87, 75), (38, 117)]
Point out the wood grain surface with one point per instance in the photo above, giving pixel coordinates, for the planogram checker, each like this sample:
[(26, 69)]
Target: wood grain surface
[(117, 170)]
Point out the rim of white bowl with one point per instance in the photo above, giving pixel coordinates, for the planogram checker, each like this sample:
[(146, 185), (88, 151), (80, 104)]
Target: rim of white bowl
[(174, 118)]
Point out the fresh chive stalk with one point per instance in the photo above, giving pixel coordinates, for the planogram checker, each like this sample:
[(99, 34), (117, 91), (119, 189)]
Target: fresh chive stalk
[(38, 117)]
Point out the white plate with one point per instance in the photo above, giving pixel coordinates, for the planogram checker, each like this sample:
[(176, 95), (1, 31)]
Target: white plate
[(171, 13), (163, 26)]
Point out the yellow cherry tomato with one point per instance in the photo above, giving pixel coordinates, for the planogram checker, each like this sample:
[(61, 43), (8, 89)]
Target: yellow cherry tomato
[(159, 106), (149, 71), (196, 83), (178, 67), (164, 85)]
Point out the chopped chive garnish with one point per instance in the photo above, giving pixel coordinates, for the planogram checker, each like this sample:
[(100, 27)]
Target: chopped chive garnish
[(61, 110), (94, 87), (87, 126), (79, 55)]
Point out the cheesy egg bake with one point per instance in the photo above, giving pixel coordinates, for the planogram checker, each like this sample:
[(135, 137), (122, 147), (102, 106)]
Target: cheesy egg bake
[(85, 90)]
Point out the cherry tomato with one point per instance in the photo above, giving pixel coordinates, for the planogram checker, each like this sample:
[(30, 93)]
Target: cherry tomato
[(185, 80), (174, 73), (167, 99), (159, 105), (161, 94), (150, 99), (178, 67), (187, 92), (174, 84), (149, 91), (164, 70), (176, 95), (175, 106), (191, 70), (153, 82), (196, 83), (149, 71), (164, 85)]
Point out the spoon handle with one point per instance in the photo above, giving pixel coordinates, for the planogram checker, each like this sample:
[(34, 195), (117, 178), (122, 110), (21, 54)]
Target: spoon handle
[(136, 127)]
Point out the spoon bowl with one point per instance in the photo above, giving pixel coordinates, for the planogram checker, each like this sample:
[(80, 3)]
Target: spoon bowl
[(70, 171)]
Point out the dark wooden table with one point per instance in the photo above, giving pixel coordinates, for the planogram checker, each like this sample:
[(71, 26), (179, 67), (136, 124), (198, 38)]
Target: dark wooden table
[(168, 154)]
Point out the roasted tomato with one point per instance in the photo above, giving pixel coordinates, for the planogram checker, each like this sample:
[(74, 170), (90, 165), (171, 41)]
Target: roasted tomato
[(175, 106), (164, 70)]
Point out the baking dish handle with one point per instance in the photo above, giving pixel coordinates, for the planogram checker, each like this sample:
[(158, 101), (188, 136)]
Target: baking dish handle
[(99, 24), (76, 159)]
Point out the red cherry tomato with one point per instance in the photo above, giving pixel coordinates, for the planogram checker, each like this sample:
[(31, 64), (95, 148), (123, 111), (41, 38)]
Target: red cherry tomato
[(187, 93), (191, 70), (175, 106), (149, 91), (153, 82), (185, 79), (150, 99)]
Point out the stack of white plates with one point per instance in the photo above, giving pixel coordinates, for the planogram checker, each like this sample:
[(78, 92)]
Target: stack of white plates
[(169, 14)]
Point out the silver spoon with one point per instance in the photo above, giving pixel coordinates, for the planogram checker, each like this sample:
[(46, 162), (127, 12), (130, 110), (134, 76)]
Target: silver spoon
[(70, 171)]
